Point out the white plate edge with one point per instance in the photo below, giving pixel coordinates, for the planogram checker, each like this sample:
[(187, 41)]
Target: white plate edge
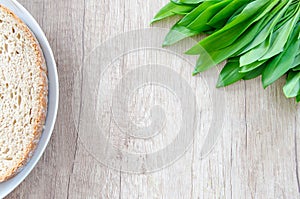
[(40, 35)]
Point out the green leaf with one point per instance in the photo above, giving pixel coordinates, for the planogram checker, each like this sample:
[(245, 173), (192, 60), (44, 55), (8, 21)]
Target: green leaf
[(271, 21), (280, 38), (190, 17), (298, 98), (252, 66), (187, 1), (230, 74), (178, 33), (220, 19), (282, 63), (296, 62), (208, 59), (232, 31), (254, 54), (200, 23), (296, 68), (170, 10), (190, 26), (252, 9), (254, 73), (291, 11), (292, 86)]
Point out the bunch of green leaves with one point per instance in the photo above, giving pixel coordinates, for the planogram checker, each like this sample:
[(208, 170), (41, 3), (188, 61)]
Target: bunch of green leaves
[(256, 37)]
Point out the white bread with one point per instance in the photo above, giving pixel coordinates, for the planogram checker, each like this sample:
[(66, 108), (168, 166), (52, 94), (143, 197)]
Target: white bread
[(23, 93)]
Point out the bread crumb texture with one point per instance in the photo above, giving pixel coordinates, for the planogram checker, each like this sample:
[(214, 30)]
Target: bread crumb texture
[(23, 93)]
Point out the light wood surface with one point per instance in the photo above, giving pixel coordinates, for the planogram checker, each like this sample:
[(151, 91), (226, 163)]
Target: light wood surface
[(256, 156)]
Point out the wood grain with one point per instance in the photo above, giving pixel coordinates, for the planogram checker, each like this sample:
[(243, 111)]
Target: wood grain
[(257, 155)]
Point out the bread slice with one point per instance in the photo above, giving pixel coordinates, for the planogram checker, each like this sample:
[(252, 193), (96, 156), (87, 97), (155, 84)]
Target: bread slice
[(23, 93)]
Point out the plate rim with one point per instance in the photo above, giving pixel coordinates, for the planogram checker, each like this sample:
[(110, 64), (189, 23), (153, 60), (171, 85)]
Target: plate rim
[(53, 96)]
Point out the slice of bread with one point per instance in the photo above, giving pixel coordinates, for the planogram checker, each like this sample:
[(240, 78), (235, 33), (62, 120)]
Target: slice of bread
[(23, 93)]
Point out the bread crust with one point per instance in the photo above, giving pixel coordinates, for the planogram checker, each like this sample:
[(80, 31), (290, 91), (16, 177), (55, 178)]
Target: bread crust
[(43, 98)]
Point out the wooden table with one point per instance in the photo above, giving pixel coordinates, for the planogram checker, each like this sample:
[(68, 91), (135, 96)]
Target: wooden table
[(256, 156)]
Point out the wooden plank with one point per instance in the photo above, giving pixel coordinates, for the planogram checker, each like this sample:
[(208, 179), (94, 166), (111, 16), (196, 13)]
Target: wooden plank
[(256, 156)]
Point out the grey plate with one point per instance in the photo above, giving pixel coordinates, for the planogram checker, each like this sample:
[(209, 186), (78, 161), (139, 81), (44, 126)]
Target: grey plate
[(19, 10)]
